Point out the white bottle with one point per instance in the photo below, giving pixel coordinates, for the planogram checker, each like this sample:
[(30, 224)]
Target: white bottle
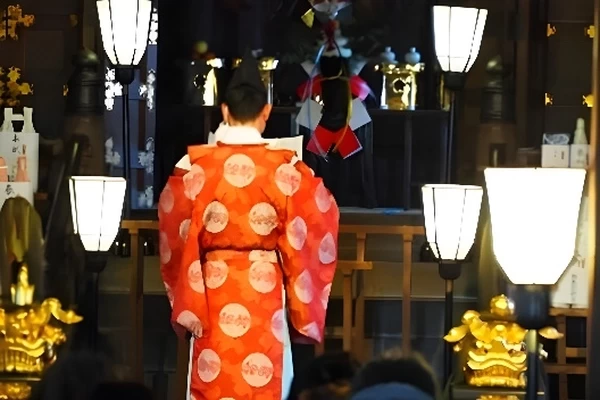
[(579, 150), (580, 137)]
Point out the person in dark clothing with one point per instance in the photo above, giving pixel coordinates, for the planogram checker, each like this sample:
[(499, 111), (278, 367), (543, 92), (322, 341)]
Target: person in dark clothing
[(121, 391), (74, 376), (395, 378), (327, 373)]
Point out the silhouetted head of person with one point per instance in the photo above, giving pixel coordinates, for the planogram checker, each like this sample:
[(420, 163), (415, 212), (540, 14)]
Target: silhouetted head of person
[(393, 377), (331, 368), (121, 391), (74, 376), (333, 391)]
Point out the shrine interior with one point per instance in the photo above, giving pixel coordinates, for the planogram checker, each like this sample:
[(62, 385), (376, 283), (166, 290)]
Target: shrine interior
[(512, 131)]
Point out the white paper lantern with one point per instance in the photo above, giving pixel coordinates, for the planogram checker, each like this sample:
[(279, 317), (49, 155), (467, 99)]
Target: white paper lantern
[(96, 207), (451, 217), (534, 213), (125, 26), (457, 35)]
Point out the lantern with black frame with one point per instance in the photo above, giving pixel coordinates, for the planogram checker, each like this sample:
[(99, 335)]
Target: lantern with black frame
[(96, 208), (457, 36), (125, 27), (451, 217), (534, 215)]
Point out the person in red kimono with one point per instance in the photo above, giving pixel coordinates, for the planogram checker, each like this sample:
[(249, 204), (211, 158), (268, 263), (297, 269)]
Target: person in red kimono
[(248, 240)]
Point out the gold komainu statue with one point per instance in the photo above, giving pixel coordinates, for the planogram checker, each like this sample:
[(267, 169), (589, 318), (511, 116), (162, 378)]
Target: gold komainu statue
[(493, 346), (30, 329)]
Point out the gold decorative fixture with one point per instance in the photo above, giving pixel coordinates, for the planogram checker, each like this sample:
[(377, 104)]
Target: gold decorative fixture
[(493, 346), (13, 17), (588, 100), (65, 90), (550, 30), (29, 336), (399, 85), (11, 88), (548, 99), (590, 31)]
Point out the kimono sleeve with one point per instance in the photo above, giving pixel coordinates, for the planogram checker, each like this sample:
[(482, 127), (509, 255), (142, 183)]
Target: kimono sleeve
[(180, 253), (309, 254)]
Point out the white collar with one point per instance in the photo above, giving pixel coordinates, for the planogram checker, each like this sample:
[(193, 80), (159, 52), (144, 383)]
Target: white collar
[(238, 135)]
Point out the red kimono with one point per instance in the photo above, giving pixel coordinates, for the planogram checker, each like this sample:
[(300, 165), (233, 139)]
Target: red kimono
[(243, 222)]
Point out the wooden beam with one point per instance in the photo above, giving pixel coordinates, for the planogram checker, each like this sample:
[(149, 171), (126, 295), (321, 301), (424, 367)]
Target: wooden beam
[(593, 323)]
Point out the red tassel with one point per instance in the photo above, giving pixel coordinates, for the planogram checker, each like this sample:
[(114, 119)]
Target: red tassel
[(359, 87), (346, 142), (315, 83), (321, 141)]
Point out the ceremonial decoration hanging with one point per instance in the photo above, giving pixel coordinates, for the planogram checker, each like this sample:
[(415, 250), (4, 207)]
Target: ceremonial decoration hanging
[(333, 95)]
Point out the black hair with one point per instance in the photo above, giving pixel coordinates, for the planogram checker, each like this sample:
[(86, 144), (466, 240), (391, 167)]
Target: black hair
[(122, 391), (412, 370), (334, 391), (73, 377), (327, 369), (245, 103)]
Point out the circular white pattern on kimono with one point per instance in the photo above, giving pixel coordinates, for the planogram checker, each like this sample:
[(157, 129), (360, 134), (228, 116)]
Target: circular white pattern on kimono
[(209, 365), (262, 276), (327, 251), (277, 325), (304, 288), (312, 331), (234, 320), (263, 219), (287, 179), (184, 228), (239, 170), (163, 248), (167, 199), (195, 278), (215, 273), (215, 217), (262, 255), (194, 181), (296, 232), (257, 370), (226, 398), (170, 295), (323, 198), (190, 321)]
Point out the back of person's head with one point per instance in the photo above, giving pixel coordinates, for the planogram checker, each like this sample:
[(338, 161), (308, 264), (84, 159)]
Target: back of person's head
[(393, 377), (121, 391), (330, 368), (332, 391), (74, 376), (245, 103)]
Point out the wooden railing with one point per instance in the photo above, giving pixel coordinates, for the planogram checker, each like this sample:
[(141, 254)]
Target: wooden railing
[(351, 270), (566, 355)]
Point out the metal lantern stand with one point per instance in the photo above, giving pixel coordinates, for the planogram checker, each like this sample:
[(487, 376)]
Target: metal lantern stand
[(532, 306)]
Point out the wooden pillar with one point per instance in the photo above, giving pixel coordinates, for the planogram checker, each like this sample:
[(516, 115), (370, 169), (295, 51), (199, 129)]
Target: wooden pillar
[(136, 298), (593, 322), (406, 292), (359, 306)]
